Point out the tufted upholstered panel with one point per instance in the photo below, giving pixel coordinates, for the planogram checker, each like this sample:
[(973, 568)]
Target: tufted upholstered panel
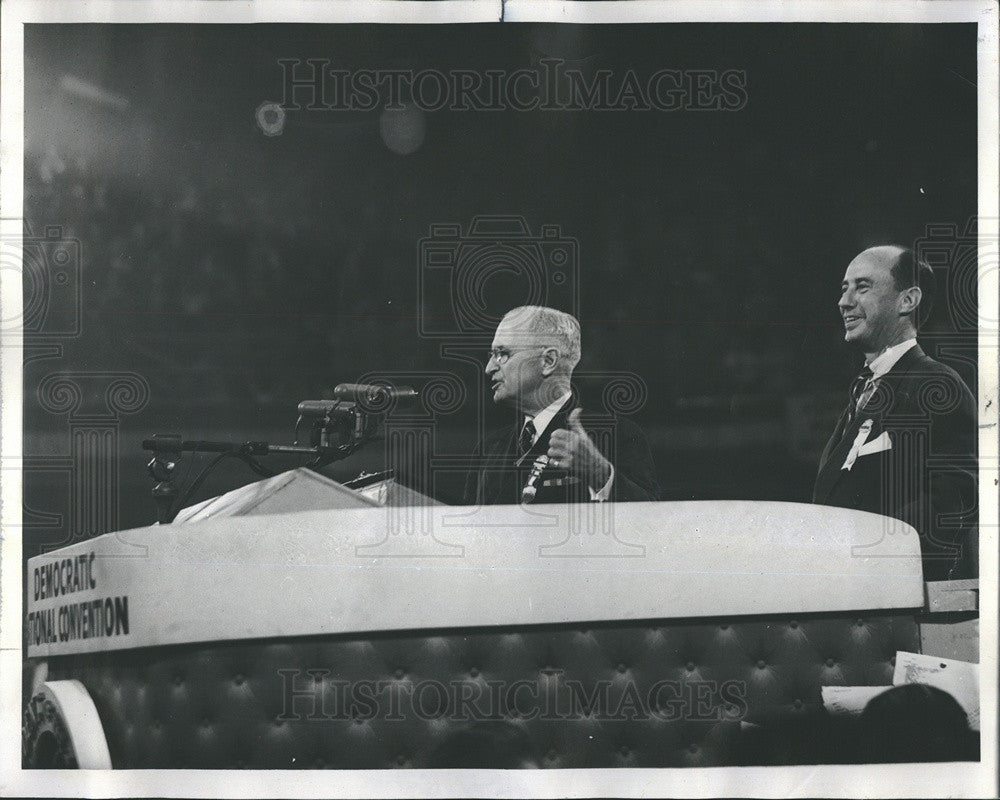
[(669, 693)]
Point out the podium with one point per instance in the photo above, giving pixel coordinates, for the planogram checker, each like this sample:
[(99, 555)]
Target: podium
[(277, 640)]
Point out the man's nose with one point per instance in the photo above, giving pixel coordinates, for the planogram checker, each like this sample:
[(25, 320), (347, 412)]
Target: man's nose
[(846, 299), (491, 365)]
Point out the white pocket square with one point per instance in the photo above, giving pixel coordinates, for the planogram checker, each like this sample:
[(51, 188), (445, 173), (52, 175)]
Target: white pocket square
[(876, 445)]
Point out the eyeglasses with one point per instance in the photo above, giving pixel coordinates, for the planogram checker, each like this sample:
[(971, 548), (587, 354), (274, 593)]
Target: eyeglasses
[(502, 355)]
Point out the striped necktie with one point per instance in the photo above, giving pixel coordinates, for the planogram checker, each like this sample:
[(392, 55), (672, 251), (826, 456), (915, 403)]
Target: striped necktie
[(857, 393), (526, 439)]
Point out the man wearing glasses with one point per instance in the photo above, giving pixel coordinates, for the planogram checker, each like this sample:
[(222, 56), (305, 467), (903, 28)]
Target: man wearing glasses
[(546, 456)]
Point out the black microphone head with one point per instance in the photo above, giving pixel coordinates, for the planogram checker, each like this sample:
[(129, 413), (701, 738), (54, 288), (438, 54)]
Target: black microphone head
[(313, 409), (163, 443), (374, 397)]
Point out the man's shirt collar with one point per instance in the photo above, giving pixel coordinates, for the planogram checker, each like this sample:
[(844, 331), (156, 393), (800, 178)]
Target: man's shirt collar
[(887, 359), (542, 419)]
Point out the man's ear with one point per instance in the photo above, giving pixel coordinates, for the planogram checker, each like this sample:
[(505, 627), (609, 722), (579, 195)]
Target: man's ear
[(550, 357), (908, 301)]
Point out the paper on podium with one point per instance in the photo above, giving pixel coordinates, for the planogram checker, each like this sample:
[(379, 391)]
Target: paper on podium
[(959, 678), (849, 699), (301, 490), (296, 490)]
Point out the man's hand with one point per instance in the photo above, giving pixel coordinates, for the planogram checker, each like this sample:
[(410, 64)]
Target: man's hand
[(574, 451)]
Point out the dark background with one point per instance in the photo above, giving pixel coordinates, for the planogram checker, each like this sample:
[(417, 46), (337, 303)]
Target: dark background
[(239, 274)]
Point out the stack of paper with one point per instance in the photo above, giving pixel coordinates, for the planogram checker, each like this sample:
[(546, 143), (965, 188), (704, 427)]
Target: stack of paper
[(959, 678)]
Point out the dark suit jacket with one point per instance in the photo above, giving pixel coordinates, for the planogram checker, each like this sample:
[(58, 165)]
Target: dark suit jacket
[(927, 478), (620, 441)]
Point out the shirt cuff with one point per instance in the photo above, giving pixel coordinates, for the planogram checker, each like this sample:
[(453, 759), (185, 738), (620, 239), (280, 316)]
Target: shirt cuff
[(605, 492)]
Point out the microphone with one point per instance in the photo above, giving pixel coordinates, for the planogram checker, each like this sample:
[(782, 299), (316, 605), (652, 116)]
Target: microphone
[(309, 409), (529, 491), (373, 394)]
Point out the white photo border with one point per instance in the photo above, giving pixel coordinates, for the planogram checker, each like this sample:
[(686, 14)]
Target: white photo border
[(904, 780)]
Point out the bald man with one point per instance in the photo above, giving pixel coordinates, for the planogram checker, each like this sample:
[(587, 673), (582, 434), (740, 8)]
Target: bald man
[(905, 446), (530, 370)]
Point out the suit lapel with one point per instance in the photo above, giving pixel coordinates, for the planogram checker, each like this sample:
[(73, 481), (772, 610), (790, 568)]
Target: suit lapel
[(907, 362), (831, 468), (504, 469), (838, 434), (560, 420), (832, 460)]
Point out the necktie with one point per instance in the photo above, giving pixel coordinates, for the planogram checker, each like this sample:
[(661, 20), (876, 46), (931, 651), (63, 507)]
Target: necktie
[(526, 439), (857, 391)]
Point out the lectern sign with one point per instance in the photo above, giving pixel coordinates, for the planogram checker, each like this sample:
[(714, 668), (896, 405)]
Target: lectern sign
[(68, 603)]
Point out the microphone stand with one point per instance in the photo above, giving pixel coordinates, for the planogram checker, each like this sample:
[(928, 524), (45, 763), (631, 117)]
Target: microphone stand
[(337, 428)]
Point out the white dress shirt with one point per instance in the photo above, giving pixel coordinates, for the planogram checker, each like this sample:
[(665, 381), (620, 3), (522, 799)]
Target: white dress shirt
[(887, 359)]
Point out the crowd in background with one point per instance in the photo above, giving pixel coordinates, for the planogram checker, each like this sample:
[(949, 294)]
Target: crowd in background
[(180, 272)]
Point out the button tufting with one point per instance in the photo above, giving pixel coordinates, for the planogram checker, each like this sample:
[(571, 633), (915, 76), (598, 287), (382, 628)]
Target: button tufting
[(587, 659)]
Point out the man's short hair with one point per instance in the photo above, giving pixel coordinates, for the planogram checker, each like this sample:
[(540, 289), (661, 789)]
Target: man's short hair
[(908, 270), (553, 328)]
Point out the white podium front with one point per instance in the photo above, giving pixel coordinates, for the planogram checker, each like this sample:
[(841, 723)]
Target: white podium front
[(333, 572)]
